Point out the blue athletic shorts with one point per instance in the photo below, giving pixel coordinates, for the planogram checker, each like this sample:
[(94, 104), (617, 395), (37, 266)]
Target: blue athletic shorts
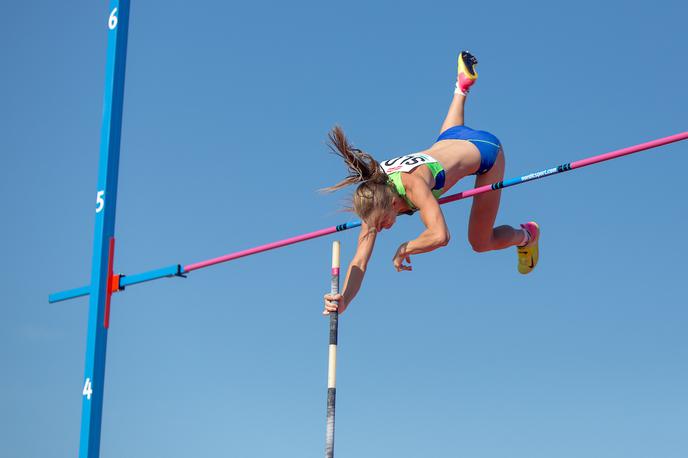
[(487, 144)]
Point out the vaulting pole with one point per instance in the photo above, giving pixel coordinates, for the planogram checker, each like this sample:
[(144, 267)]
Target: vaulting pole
[(179, 269), (332, 360)]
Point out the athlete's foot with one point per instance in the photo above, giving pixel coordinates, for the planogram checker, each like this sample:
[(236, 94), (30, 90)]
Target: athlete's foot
[(529, 253), (466, 74)]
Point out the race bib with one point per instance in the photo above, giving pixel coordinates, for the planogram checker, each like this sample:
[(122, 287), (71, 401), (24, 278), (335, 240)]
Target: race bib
[(406, 163)]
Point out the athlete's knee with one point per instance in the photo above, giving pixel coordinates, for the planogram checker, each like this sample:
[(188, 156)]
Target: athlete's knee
[(480, 244)]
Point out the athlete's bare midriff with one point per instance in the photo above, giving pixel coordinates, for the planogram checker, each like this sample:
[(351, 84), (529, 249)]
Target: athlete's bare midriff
[(459, 158)]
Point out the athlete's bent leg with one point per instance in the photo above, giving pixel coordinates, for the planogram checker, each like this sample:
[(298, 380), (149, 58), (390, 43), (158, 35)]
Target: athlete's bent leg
[(482, 234)]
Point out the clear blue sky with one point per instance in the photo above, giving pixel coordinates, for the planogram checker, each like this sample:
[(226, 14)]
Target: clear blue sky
[(227, 108)]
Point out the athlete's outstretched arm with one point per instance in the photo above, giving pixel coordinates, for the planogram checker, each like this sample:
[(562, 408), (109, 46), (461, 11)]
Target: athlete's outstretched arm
[(355, 273)]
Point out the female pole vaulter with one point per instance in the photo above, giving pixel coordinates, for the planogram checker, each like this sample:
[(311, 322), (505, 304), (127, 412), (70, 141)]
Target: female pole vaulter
[(415, 182)]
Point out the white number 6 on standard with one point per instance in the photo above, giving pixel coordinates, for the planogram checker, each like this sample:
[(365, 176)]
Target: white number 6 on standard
[(100, 202), (112, 22)]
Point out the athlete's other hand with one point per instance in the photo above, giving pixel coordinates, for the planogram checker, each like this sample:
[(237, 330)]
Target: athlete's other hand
[(331, 306), (400, 256)]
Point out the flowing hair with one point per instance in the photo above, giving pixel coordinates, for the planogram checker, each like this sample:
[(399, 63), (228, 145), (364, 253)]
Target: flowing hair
[(373, 196)]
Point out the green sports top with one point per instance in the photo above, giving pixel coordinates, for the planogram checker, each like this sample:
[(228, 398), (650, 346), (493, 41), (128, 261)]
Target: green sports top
[(394, 167)]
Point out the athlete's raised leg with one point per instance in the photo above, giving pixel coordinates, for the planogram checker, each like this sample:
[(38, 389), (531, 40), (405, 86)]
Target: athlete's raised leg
[(455, 113)]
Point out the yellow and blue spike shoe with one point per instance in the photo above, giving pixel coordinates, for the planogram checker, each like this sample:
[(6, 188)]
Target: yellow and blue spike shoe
[(528, 254), (466, 74)]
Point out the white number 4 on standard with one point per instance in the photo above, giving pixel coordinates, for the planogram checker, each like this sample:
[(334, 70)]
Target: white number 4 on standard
[(88, 389)]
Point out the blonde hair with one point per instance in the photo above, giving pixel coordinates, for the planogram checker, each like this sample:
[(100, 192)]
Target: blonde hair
[(373, 196)]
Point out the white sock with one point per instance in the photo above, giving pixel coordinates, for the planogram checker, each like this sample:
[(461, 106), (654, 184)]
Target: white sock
[(459, 91), (526, 238)]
